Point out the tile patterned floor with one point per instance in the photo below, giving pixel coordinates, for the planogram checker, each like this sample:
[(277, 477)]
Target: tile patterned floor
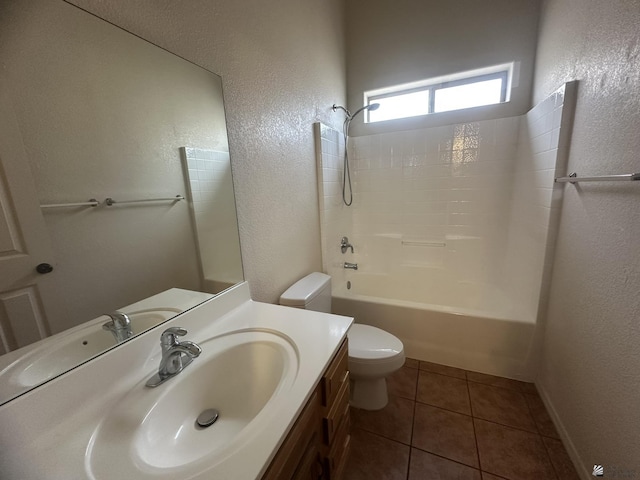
[(443, 423)]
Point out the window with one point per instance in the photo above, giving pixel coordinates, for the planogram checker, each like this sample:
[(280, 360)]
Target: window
[(486, 86)]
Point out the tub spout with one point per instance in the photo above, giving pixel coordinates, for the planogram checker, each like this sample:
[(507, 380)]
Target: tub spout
[(351, 266)]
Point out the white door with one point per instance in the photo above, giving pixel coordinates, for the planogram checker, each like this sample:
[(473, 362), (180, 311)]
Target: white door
[(24, 241)]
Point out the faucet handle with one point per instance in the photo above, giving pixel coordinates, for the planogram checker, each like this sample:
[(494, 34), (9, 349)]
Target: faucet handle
[(344, 245), (170, 336), (181, 332)]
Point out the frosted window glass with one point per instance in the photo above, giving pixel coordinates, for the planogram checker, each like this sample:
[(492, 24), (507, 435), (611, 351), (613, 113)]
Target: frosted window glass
[(469, 95), (401, 106)]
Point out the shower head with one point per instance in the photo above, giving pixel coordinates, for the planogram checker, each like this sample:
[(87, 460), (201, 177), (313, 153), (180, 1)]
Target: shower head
[(370, 107)]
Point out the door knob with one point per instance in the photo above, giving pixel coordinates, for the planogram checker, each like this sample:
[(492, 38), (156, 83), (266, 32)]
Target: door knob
[(44, 268)]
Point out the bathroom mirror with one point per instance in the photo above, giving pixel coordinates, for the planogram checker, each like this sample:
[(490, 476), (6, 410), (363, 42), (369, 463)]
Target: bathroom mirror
[(90, 111)]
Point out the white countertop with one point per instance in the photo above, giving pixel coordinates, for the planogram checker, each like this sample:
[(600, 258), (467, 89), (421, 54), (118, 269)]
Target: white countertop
[(48, 432)]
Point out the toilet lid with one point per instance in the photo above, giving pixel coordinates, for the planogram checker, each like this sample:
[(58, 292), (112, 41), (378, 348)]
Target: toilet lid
[(371, 343)]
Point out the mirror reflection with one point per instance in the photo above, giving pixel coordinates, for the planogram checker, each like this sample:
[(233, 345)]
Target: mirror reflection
[(89, 112)]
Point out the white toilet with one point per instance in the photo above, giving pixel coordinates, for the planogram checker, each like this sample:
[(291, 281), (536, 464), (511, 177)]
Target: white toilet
[(373, 353)]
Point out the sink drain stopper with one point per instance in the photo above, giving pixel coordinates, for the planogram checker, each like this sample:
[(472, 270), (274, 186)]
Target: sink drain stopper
[(208, 417)]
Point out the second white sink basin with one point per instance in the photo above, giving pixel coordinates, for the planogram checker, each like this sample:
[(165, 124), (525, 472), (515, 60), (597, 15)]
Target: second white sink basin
[(60, 353), (153, 431)]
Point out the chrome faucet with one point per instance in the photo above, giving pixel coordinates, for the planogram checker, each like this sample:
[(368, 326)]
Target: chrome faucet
[(344, 245), (351, 266), (176, 355), (119, 326)]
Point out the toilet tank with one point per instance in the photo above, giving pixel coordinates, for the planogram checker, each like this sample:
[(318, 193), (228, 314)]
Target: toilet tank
[(312, 292)]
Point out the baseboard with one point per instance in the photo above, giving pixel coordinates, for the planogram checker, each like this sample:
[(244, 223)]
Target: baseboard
[(583, 472)]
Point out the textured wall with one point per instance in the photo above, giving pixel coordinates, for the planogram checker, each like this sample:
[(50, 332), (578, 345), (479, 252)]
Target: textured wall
[(282, 67), (591, 355), (390, 43)]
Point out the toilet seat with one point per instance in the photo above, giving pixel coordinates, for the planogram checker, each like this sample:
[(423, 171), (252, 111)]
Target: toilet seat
[(373, 352), (371, 345)]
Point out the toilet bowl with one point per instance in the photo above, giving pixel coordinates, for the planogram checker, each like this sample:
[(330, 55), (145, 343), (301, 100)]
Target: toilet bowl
[(373, 353)]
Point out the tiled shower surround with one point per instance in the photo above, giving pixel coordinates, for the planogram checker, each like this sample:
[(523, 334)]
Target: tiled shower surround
[(210, 187), (461, 205)]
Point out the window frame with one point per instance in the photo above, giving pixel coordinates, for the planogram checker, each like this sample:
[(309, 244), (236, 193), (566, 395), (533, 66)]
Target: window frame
[(503, 72)]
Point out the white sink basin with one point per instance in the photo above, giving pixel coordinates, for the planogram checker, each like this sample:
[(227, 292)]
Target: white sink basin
[(60, 353), (153, 431)]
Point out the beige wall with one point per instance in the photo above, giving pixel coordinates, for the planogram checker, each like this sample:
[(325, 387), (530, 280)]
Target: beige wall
[(282, 65), (591, 355), (390, 43)]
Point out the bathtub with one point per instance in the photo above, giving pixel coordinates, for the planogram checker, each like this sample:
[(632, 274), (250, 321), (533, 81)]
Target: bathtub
[(483, 332)]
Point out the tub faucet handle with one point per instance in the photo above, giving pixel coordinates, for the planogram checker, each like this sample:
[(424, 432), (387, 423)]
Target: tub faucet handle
[(344, 245), (351, 266)]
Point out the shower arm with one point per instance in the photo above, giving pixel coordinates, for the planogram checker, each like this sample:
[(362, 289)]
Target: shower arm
[(336, 107), (370, 107)]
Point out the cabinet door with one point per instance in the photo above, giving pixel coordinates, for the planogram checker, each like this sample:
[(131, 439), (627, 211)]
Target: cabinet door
[(335, 417), (335, 376), (311, 466), (299, 446)]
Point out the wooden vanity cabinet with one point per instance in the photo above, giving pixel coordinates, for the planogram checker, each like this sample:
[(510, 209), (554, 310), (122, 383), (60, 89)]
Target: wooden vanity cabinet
[(335, 414), (317, 446)]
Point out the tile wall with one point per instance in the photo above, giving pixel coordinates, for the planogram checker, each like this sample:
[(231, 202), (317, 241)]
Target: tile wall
[(210, 188), (542, 152), (441, 194), (335, 217), (468, 202)]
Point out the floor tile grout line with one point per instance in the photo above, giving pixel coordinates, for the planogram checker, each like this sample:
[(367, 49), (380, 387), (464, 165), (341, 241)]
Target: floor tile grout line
[(466, 372), (394, 441), (411, 412), (553, 466), (493, 474), (383, 436), (447, 458), (442, 374), (535, 422), (409, 462), (411, 447), (475, 381), (496, 386), (466, 377), (521, 391), (483, 419), (508, 426), (528, 411), (413, 420), (546, 449), (473, 424)]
